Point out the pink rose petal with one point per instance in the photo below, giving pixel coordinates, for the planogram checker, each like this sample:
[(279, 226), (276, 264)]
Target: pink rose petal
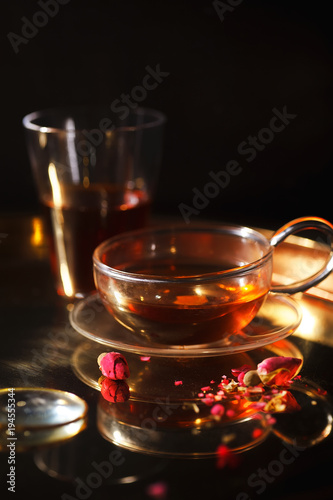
[(145, 358), (230, 413), (157, 490), (217, 410), (225, 457), (257, 433)]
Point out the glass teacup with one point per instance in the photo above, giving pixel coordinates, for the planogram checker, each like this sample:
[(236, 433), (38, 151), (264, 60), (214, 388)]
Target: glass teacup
[(194, 285)]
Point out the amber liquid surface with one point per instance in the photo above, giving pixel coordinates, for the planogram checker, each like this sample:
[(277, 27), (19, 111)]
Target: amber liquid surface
[(87, 217), (191, 315)]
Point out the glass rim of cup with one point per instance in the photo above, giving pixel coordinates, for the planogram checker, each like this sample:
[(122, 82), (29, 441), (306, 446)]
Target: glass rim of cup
[(241, 231), (159, 118)]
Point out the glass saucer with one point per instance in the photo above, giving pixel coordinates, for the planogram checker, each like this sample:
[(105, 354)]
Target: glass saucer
[(278, 318)]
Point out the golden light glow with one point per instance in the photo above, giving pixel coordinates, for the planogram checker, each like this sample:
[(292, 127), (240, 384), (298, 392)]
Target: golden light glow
[(37, 236), (55, 185), (57, 221), (66, 279), (119, 298), (190, 300), (42, 138), (308, 322)]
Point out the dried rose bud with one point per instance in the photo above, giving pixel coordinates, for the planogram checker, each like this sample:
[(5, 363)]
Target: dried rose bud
[(251, 378), (278, 371), (115, 391), (113, 365)]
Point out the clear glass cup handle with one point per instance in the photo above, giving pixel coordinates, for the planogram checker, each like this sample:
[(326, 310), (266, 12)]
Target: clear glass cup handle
[(294, 227)]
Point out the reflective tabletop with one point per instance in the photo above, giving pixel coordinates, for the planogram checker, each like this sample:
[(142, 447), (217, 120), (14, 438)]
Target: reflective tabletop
[(157, 445)]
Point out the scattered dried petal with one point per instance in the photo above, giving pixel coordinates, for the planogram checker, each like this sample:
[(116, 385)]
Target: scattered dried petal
[(225, 457), (157, 490), (231, 386), (217, 410), (208, 401), (240, 372), (241, 369), (258, 406), (145, 358), (257, 433), (255, 390), (257, 416), (230, 413), (178, 382)]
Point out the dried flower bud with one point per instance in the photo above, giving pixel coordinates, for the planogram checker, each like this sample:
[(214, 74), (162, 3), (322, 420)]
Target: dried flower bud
[(115, 391), (251, 378), (278, 371), (113, 365)]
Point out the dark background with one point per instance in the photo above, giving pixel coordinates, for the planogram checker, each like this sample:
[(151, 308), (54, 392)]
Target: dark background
[(225, 78)]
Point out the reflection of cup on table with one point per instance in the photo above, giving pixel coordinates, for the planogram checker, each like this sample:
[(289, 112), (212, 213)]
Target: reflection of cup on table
[(194, 285), (95, 176), (180, 430)]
